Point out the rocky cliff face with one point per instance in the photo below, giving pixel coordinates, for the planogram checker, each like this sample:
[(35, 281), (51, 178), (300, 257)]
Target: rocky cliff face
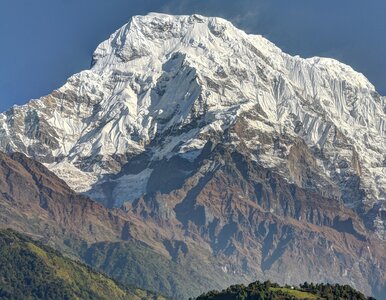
[(33, 200), (197, 128), (229, 220), (36, 202), (260, 226)]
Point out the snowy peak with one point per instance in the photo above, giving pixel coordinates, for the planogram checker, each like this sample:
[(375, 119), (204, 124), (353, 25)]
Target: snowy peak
[(164, 85), (158, 35)]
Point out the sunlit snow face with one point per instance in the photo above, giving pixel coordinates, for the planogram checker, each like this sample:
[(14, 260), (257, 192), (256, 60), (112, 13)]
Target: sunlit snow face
[(165, 84), (300, 27)]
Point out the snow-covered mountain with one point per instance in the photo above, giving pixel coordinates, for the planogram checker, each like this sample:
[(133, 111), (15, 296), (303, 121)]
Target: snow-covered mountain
[(162, 86), (227, 156)]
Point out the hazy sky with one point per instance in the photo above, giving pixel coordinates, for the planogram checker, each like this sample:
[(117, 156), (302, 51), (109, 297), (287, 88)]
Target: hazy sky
[(43, 42)]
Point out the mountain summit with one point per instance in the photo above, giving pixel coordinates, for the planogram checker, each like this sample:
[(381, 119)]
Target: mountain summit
[(271, 163), (164, 85)]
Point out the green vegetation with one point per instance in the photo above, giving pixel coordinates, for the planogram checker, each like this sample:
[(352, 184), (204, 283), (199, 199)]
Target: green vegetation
[(133, 263), (293, 292), (30, 270), (272, 291)]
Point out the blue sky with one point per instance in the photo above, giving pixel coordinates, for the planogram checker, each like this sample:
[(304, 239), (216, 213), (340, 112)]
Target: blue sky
[(43, 42)]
